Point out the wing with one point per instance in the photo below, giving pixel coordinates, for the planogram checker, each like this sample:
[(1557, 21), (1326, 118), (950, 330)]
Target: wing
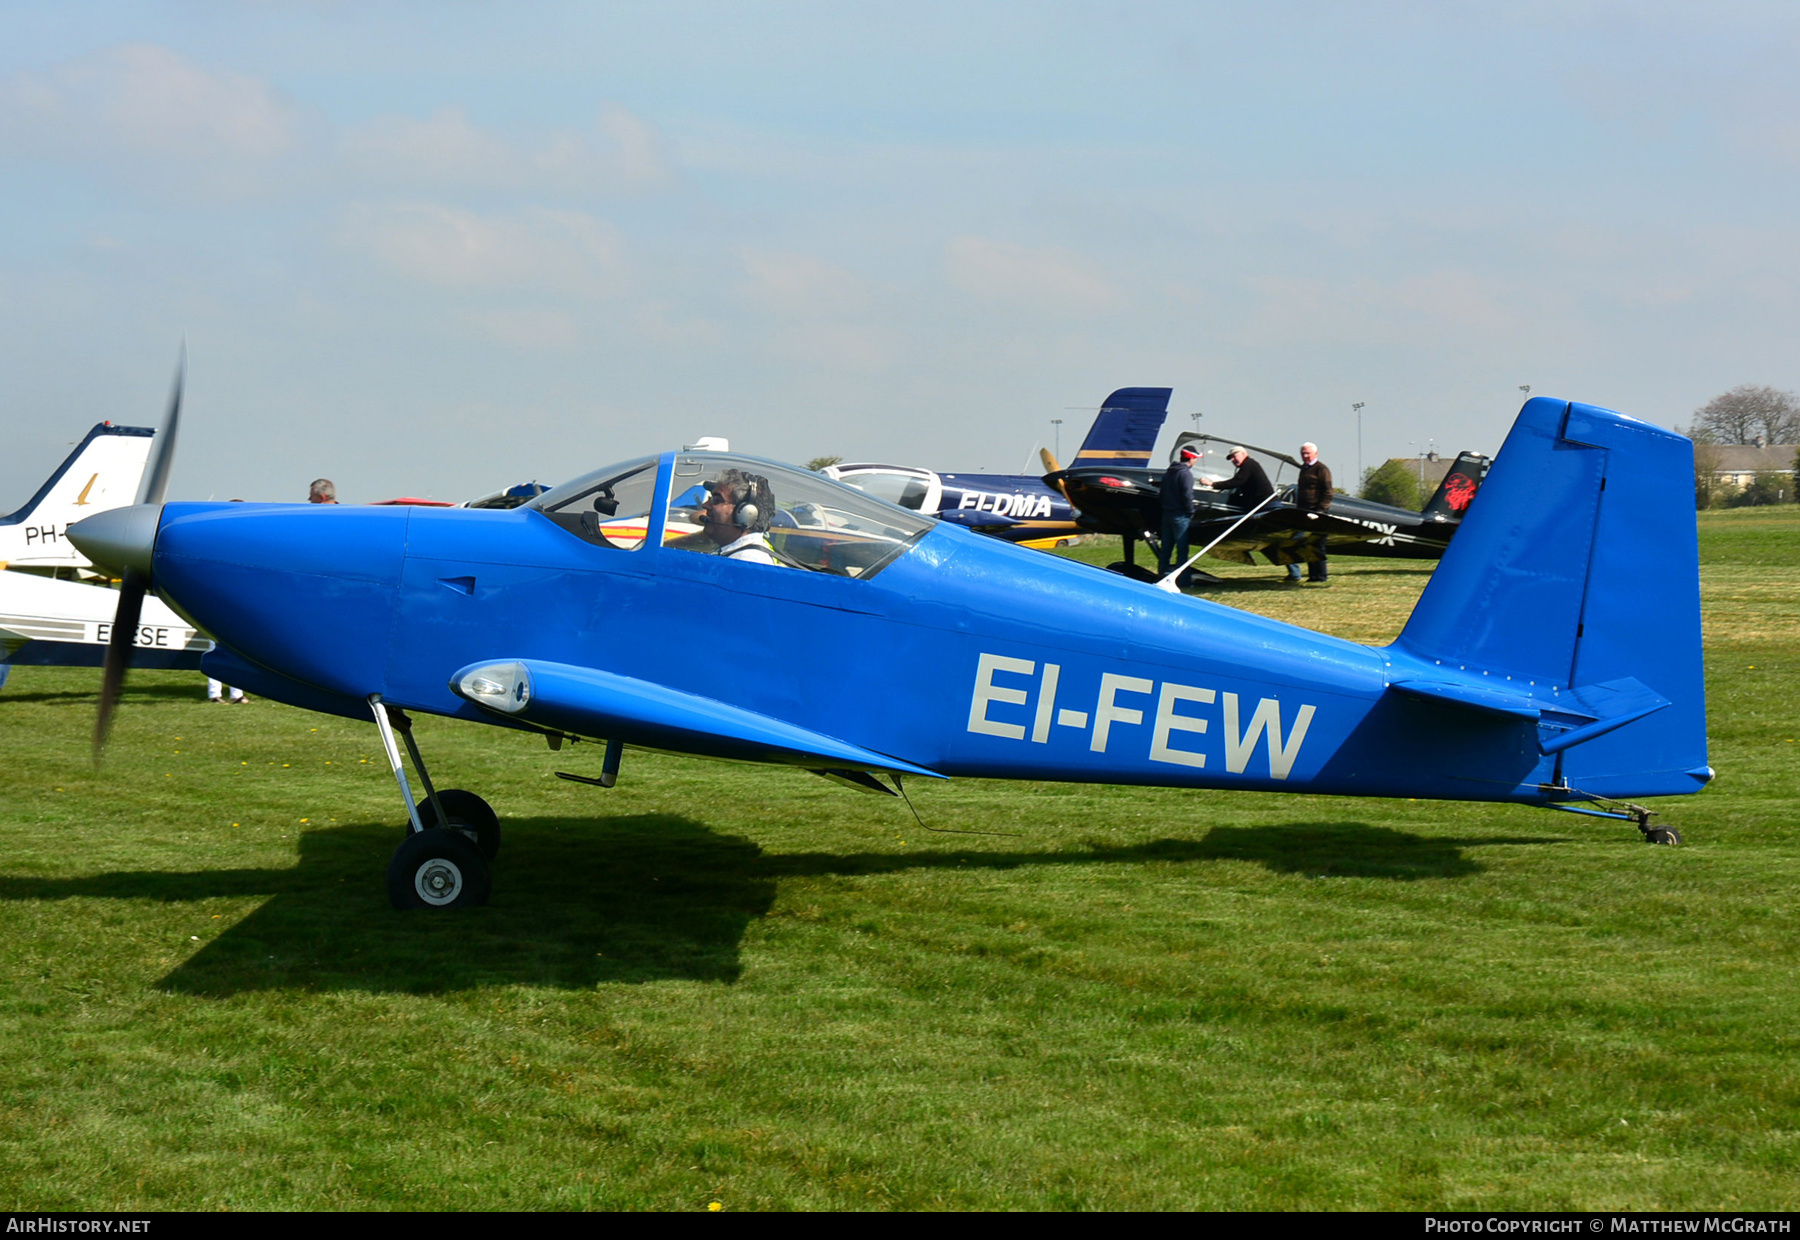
[(1282, 532), (585, 701)]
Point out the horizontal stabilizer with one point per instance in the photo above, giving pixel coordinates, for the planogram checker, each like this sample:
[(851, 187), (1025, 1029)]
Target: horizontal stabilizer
[(1566, 718), (1471, 697), (588, 702), (1609, 706)]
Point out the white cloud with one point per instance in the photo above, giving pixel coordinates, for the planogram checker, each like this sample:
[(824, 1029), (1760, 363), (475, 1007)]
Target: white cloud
[(146, 102), (619, 154), (567, 252), (857, 348), (1046, 280), (799, 285), (526, 328)]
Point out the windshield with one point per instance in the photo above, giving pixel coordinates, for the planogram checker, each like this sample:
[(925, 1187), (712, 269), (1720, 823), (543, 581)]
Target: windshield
[(908, 490), (759, 512), (1214, 464), (609, 507)]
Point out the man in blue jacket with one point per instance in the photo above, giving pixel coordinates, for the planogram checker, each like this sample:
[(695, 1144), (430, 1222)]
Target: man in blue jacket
[(1177, 512)]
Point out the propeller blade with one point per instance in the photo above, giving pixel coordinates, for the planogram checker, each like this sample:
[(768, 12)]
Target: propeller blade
[(136, 581), (118, 654), (1050, 465), (162, 453)]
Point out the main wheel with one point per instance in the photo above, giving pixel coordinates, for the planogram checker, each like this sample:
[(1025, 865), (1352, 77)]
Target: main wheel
[(465, 812), (438, 868)]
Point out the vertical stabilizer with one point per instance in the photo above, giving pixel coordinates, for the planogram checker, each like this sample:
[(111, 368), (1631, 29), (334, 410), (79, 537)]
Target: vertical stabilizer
[(1575, 582), (1125, 432), (1451, 500), (102, 472)]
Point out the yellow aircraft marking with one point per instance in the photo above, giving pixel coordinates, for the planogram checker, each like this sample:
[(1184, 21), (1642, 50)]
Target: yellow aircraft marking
[(82, 499)]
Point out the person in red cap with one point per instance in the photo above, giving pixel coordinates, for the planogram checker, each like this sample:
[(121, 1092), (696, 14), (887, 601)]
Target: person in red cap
[(1177, 511)]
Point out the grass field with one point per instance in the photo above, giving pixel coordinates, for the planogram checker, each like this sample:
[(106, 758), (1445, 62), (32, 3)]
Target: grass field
[(726, 984)]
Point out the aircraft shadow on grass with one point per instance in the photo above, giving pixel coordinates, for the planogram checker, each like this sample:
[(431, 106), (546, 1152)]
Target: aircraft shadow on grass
[(192, 690), (632, 899)]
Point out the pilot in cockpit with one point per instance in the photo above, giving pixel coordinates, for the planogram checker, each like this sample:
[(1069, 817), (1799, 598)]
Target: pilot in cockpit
[(736, 513)]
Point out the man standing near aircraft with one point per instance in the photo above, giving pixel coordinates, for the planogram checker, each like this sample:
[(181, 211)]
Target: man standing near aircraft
[(324, 491), (1250, 484), (1177, 511), (1312, 496)]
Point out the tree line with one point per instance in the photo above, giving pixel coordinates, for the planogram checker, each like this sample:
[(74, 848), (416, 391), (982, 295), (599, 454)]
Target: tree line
[(1747, 414), (1744, 415)]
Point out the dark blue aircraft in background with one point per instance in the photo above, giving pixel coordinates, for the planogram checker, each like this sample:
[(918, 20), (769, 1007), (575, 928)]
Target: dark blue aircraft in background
[(1021, 508), (880, 642)]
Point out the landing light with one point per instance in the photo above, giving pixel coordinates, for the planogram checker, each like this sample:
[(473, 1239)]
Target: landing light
[(497, 686)]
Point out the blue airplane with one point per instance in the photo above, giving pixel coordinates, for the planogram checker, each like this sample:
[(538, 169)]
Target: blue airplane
[(1021, 508), (777, 616)]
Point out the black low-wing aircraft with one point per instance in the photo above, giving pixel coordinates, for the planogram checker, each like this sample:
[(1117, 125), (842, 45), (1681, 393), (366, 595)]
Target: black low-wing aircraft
[(1127, 502)]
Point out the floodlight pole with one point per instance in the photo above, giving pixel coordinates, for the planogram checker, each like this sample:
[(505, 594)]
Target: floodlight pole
[(1358, 408)]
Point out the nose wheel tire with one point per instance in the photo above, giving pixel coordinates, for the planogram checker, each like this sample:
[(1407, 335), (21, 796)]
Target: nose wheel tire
[(438, 868), (464, 812)]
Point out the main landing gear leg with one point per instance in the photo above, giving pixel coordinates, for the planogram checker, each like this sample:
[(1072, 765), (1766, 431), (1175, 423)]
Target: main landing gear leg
[(451, 836), (1129, 566)]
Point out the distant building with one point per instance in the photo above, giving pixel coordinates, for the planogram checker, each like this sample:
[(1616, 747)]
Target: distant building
[(1738, 464), (1429, 468), (1735, 464)]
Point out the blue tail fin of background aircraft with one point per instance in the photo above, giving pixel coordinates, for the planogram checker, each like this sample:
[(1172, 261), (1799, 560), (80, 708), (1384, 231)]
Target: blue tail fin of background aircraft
[(1573, 589), (1125, 432)]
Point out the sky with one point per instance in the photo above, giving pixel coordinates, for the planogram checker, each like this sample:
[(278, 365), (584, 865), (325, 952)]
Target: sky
[(436, 249)]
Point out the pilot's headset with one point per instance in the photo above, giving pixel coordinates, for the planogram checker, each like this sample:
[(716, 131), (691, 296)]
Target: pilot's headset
[(733, 494), (740, 493)]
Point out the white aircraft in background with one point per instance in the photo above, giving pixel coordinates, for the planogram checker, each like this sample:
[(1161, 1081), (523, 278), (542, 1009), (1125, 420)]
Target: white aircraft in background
[(105, 471), (49, 619)]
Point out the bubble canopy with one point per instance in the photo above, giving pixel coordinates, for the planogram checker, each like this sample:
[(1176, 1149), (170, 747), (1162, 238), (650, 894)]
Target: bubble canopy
[(813, 523)]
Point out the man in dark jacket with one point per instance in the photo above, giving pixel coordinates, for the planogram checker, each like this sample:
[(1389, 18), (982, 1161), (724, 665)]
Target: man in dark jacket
[(1177, 512), (1312, 496), (1249, 486)]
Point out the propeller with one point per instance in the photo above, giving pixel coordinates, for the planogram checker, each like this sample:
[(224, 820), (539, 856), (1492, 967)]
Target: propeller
[(1051, 467), (136, 578)]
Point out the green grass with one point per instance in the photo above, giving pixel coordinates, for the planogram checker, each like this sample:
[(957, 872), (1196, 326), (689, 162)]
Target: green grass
[(730, 984)]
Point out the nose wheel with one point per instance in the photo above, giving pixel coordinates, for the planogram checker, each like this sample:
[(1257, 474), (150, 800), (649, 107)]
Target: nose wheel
[(452, 836), (438, 868)]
